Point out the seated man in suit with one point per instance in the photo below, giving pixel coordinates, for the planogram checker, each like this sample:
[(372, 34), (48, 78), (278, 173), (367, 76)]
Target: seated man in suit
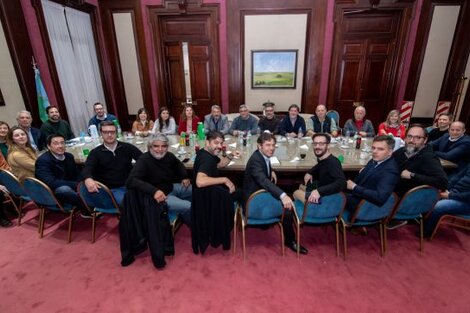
[(55, 125), (244, 123), (321, 123), (443, 123), (100, 115), (269, 122), (326, 177), (293, 125), (110, 163), (57, 169), (216, 121), (375, 182), (455, 200), (24, 120), (259, 175), (454, 146), (359, 125), (160, 174), (418, 164)]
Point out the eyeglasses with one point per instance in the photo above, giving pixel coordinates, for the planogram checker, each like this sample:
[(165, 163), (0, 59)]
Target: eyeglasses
[(410, 137), (108, 132), (319, 143)]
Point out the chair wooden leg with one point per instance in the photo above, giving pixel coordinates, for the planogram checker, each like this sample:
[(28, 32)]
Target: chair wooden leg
[(298, 240), (421, 235), (69, 236), (19, 210), (41, 222), (381, 230), (243, 241), (337, 238), (345, 242), (235, 222), (282, 238), (93, 227)]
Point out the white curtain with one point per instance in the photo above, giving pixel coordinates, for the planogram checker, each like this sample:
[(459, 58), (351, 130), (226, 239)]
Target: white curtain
[(73, 47)]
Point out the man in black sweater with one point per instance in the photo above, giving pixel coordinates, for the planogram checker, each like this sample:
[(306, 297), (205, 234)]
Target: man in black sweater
[(110, 163), (160, 174), (418, 164), (326, 177)]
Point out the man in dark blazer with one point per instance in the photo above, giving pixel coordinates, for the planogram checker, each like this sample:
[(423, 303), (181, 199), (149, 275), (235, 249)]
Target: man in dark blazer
[(57, 169), (24, 120), (260, 175), (375, 182), (454, 146)]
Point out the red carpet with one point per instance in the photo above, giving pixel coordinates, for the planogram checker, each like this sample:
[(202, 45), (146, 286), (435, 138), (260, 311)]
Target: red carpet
[(48, 275)]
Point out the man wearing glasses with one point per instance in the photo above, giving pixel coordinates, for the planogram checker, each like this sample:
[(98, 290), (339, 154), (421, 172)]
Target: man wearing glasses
[(418, 164), (269, 122), (326, 177), (110, 163)]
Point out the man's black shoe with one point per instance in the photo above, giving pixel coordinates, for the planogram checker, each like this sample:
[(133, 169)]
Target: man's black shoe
[(293, 247), (127, 261)]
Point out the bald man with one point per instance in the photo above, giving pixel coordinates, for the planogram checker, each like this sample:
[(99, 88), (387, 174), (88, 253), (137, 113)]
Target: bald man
[(359, 124), (454, 146)]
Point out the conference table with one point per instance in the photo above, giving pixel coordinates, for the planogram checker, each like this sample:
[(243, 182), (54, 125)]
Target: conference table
[(291, 155)]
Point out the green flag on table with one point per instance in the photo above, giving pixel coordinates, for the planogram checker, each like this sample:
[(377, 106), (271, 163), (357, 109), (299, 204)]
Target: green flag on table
[(43, 101)]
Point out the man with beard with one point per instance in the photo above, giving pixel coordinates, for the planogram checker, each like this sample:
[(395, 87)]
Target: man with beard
[(260, 175), (454, 146), (212, 205), (160, 174), (326, 177), (269, 122), (418, 164), (443, 123), (216, 121), (100, 116), (55, 125)]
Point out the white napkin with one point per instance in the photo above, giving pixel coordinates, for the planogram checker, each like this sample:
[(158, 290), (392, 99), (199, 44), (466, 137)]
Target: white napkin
[(304, 147), (176, 145), (274, 161), (296, 159), (231, 163), (233, 145)]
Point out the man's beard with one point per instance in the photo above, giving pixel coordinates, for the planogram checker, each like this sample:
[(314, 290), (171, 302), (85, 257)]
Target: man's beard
[(157, 156), (411, 149)]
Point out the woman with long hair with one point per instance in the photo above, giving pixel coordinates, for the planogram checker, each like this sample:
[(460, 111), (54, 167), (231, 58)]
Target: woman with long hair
[(21, 155), (165, 124), (4, 128), (188, 120), (393, 125), (142, 126)]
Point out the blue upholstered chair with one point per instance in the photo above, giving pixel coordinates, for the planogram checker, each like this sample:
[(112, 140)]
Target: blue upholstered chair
[(17, 192), (259, 212), (328, 211), (44, 199), (334, 115), (413, 205), (369, 214), (459, 221), (98, 202)]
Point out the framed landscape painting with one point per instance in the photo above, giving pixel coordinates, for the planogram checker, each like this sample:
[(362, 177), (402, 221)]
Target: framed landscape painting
[(273, 69)]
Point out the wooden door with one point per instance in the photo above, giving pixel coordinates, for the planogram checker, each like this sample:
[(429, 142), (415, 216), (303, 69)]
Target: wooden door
[(365, 63), (199, 32)]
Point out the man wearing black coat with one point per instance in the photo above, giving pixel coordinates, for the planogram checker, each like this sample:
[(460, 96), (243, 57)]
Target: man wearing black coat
[(418, 164), (375, 182), (57, 169), (260, 175)]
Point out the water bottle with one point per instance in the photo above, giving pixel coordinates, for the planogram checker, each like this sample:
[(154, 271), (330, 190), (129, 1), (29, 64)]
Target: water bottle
[(93, 131), (82, 136), (248, 138), (300, 134), (241, 134)]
